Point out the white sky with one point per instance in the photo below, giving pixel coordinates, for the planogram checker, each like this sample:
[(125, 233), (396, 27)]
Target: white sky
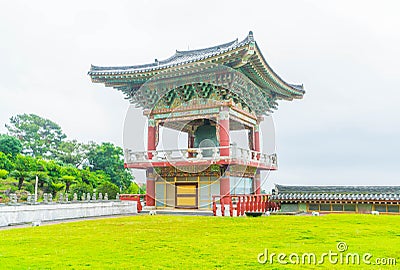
[(344, 131)]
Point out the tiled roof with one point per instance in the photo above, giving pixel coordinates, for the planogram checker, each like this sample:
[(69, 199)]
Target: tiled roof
[(336, 193), (336, 197), (337, 189), (242, 58), (180, 57)]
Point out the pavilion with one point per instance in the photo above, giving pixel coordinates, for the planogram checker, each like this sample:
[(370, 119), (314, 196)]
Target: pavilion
[(204, 93)]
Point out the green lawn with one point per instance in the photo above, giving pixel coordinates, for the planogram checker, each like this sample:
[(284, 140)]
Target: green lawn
[(186, 242)]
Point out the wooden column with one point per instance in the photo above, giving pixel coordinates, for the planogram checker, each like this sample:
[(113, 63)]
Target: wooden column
[(151, 137), (150, 187), (257, 182), (225, 188), (257, 138), (223, 125), (251, 139)]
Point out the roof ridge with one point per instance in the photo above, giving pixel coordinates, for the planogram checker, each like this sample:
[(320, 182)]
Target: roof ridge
[(225, 45), (214, 49)]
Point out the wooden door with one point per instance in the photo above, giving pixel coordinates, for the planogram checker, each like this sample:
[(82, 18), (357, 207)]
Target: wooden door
[(186, 195)]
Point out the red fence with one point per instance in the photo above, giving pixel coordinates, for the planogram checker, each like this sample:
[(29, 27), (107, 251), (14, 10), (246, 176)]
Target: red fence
[(133, 197), (239, 204)]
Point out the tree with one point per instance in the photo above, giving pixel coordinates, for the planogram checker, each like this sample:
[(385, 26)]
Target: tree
[(5, 162), (72, 152), (3, 173), (24, 166), (69, 176), (10, 145), (109, 188), (39, 136), (109, 158)]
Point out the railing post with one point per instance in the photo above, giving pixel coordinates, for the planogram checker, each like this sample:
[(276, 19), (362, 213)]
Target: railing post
[(139, 203), (230, 206), (247, 203), (221, 200), (266, 203), (215, 153), (214, 207), (238, 207), (243, 205)]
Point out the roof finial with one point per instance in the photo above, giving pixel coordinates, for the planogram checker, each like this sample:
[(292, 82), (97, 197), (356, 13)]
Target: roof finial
[(250, 36)]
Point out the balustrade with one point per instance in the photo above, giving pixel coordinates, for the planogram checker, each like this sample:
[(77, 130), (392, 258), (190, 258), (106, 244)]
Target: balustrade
[(237, 154)]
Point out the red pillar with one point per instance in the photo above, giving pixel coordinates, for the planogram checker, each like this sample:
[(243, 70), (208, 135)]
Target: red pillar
[(225, 189), (257, 183), (224, 138), (257, 140), (150, 188), (151, 137)]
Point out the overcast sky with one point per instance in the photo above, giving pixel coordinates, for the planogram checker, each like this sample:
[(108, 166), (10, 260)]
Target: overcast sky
[(346, 130)]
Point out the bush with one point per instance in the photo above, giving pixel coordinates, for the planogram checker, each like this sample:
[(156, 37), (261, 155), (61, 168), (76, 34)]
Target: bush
[(3, 173), (13, 189), (132, 189), (109, 188), (55, 187), (29, 187), (80, 189)]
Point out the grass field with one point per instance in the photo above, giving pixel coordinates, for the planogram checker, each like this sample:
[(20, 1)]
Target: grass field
[(186, 242)]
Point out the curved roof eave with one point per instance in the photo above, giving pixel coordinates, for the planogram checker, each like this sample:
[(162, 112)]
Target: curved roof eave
[(297, 89)]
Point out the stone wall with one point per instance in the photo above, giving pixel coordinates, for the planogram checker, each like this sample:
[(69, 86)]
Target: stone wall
[(17, 214)]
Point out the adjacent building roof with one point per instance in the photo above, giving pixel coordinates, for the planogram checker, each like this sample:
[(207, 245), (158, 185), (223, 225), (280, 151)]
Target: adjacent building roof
[(243, 56), (281, 189), (336, 193)]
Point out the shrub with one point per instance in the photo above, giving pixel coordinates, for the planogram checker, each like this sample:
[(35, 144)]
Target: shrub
[(80, 189), (13, 189), (29, 187), (132, 189), (3, 173), (56, 187), (109, 188)]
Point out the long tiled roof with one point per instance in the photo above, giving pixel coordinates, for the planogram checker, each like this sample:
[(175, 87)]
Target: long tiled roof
[(336, 197), (337, 189), (337, 193)]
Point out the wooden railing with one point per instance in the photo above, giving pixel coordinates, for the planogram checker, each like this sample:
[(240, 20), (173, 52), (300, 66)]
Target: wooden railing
[(133, 197), (240, 204)]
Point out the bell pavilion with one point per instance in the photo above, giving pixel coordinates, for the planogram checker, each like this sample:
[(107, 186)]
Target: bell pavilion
[(206, 94)]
